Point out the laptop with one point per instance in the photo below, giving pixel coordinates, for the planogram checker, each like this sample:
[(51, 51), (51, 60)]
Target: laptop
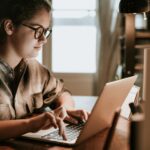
[(111, 98)]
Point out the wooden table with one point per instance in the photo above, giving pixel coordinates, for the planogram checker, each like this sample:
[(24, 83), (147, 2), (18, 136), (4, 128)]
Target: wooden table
[(119, 142)]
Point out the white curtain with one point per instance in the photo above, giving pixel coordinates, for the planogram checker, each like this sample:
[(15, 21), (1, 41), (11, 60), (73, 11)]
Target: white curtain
[(108, 48)]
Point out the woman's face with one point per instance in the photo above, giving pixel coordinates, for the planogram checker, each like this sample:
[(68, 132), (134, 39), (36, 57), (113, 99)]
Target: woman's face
[(23, 39)]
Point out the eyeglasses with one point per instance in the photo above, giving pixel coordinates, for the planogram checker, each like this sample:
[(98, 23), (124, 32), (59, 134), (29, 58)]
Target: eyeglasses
[(39, 31)]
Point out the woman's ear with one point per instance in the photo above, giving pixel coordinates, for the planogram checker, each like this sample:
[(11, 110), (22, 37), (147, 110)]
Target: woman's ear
[(8, 27)]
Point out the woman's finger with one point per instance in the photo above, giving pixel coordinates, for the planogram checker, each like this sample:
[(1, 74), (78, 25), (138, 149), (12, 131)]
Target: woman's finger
[(60, 112), (81, 114), (64, 136), (52, 119), (88, 113), (71, 120), (85, 115), (61, 128)]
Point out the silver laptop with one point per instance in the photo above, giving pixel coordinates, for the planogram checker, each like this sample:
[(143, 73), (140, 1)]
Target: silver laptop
[(112, 97)]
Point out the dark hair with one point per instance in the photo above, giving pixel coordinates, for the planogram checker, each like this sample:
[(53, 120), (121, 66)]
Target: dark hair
[(19, 11)]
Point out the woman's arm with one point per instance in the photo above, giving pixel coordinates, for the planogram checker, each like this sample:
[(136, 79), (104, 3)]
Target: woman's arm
[(14, 128), (65, 100)]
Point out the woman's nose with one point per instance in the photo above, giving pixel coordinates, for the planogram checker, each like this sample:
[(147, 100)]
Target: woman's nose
[(43, 39)]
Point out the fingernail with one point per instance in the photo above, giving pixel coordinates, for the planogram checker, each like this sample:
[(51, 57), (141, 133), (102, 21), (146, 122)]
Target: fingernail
[(84, 120), (65, 138), (55, 125)]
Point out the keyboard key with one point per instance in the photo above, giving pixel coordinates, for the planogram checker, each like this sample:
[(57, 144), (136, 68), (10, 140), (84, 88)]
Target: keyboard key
[(72, 132)]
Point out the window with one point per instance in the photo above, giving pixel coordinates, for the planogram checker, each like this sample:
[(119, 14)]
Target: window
[(74, 36), (140, 23), (39, 57)]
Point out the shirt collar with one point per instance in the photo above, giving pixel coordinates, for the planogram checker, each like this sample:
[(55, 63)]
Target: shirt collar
[(6, 68)]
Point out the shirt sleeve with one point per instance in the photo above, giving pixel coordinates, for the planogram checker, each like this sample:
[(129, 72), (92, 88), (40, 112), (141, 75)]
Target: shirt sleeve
[(53, 88)]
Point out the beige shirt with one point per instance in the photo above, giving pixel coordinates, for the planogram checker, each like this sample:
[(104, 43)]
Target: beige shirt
[(26, 88)]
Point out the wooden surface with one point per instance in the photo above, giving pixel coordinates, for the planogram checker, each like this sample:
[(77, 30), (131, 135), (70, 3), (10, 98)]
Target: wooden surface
[(119, 142)]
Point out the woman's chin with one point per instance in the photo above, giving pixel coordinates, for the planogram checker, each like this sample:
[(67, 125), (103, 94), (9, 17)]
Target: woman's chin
[(33, 54)]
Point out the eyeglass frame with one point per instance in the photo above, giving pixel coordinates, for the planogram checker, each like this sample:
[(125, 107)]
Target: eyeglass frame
[(36, 28)]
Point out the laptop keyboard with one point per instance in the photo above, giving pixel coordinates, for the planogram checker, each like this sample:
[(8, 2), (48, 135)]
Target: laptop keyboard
[(72, 132)]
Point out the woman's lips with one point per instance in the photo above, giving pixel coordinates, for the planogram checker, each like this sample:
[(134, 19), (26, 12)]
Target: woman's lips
[(38, 47)]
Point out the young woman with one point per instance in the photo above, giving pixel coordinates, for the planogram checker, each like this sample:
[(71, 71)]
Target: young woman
[(27, 87)]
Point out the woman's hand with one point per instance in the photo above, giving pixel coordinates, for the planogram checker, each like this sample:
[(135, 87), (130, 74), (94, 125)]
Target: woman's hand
[(72, 116), (47, 120), (76, 116), (42, 121)]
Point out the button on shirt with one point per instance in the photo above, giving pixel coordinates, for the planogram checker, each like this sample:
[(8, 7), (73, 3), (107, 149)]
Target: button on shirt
[(26, 88)]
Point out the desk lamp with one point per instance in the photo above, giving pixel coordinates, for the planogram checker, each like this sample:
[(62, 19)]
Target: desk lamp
[(133, 6), (142, 6)]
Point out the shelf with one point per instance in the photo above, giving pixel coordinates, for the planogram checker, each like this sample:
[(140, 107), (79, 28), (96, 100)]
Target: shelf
[(143, 35), (138, 67), (142, 46)]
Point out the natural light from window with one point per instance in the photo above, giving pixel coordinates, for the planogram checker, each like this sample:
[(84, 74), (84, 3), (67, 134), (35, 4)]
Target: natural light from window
[(39, 57), (74, 4), (74, 36)]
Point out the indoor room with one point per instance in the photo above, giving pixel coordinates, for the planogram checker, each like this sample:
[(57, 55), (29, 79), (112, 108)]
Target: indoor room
[(74, 74)]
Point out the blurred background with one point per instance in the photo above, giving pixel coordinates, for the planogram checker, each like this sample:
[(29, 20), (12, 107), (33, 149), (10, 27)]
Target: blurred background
[(92, 43)]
